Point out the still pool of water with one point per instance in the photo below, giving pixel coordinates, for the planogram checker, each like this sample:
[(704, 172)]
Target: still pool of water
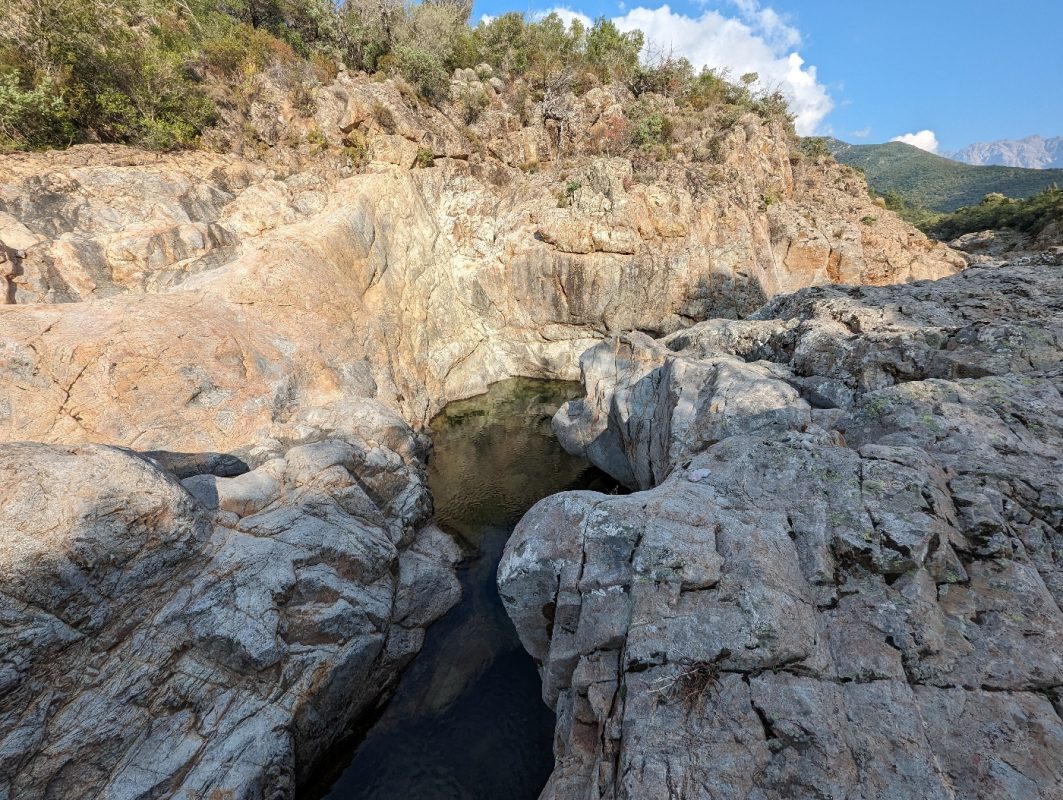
[(467, 720)]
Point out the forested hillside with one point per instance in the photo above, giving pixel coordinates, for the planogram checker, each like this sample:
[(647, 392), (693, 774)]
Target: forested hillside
[(932, 182)]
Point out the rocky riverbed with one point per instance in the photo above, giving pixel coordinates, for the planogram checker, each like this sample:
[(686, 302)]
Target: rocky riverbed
[(217, 370)]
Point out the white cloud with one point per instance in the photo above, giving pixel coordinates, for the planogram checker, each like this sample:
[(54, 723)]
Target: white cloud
[(771, 24), (759, 41), (863, 133), (924, 140)]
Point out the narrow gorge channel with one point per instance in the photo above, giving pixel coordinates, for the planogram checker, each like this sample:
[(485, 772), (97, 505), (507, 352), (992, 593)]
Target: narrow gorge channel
[(467, 720)]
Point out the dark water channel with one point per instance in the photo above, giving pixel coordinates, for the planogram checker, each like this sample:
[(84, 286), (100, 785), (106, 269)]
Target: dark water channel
[(467, 721)]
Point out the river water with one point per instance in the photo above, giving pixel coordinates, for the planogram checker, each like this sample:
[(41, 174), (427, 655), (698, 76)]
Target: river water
[(467, 720)]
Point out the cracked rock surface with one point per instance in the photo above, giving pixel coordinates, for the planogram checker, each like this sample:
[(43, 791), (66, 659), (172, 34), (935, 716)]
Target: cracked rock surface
[(841, 578), (207, 637)]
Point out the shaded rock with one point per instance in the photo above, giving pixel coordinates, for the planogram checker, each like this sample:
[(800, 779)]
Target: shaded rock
[(161, 642)]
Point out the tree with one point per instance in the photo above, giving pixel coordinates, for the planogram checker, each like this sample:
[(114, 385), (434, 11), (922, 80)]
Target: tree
[(612, 53), (503, 43)]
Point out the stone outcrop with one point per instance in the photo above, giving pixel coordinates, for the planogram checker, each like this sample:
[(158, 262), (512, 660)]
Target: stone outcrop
[(217, 549), (842, 578), (209, 637), (200, 301), (1011, 246)]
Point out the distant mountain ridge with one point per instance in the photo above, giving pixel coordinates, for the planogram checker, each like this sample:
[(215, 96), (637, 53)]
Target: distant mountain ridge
[(1033, 152), (930, 181)]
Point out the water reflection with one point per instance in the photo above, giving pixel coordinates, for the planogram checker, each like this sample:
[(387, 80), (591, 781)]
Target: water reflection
[(467, 721)]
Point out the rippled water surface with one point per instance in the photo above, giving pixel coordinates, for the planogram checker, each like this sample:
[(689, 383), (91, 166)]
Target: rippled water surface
[(467, 721)]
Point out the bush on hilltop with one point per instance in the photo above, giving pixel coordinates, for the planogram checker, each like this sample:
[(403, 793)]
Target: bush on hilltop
[(155, 73)]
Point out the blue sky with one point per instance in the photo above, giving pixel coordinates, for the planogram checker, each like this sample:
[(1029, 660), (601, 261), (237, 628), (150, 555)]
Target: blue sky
[(952, 72)]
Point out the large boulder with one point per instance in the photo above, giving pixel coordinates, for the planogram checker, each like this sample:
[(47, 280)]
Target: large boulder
[(208, 637), (842, 579)]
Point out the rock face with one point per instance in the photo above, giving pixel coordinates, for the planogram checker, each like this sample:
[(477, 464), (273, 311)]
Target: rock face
[(201, 302), (842, 577), (209, 637), (217, 549)]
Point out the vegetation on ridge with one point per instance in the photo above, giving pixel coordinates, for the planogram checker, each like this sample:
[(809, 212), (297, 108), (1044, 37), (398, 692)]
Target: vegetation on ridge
[(1031, 215), (156, 73)]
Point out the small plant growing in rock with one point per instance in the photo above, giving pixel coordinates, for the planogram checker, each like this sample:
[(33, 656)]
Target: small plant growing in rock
[(384, 118), (571, 188), (408, 93), (729, 117), (869, 220), (425, 158), (301, 96), (815, 147), (652, 129), (356, 148), (317, 141), (473, 102)]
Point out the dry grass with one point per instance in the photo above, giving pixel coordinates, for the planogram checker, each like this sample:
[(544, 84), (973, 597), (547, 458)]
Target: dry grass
[(692, 684)]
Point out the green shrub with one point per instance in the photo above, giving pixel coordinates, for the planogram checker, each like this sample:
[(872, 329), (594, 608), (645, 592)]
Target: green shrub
[(144, 71), (996, 212), (922, 218), (119, 79), (472, 103), (32, 118), (503, 43), (555, 56), (425, 158), (651, 128), (705, 90), (238, 50), (671, 77), (728, 116), (773, 106), (815, 147), (612, 53), (366, 32), (425, 72)]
